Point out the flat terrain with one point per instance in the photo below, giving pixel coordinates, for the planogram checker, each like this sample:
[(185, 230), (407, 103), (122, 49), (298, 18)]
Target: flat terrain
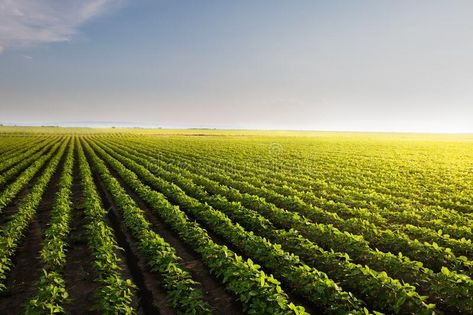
[(125, 221)]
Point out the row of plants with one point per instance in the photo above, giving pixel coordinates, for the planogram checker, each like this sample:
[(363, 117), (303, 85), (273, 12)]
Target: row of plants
[(7, 195), (432, 217), (115, 293), (341, 200), (366, 200), (363, 190), (401, 226), (446, 287), (51, 292), (309, 282), (19, 151), (243, 186), (388, 185), (258, 292), (10, 145), (384, 239), (185, 294), (371, 174), (25, 160), (379, 290), (430, 231), (14, 230)]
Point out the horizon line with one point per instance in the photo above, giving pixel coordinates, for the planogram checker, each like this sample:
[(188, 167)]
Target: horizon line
[(137, 126)]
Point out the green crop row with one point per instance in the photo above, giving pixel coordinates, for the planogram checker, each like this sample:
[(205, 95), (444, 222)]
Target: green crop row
[(185, 294), (13, 232), (386, 240), (309, 282), (405, 235), (379, 290), (23, 179), (337, 203), (9, 146), (26, 160), (349, 195), (258, 292), (19, 152), (51, 288), (341, 211), (447, 288), (115, 294)]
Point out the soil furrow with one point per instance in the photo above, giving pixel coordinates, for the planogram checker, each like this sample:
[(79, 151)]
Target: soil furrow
[(79, 273)]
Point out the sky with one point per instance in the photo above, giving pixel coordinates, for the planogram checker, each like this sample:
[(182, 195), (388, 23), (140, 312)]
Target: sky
[(364, 65)]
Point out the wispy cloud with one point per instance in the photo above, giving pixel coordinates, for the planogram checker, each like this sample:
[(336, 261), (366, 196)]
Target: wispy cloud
[(25, 23)]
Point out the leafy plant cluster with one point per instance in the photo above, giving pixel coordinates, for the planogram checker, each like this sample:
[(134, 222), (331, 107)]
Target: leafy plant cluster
[(422, 225)]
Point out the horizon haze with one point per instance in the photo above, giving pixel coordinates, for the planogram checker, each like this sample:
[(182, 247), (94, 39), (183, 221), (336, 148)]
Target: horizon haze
[(393, 66)]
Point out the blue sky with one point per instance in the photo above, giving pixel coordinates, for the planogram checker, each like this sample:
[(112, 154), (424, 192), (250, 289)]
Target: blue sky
[(324, 65)]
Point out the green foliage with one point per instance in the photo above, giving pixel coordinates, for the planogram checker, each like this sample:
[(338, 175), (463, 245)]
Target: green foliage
[(115, 294), (13, 231), (239, 277), (354, 224)]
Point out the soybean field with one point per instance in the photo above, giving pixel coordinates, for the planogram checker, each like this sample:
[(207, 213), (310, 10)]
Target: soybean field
[(135, 221)]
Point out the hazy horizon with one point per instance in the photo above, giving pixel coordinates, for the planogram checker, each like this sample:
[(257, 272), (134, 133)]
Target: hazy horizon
[(396, 66)]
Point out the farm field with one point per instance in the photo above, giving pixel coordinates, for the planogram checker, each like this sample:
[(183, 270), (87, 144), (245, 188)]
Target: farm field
[(135, 221)]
